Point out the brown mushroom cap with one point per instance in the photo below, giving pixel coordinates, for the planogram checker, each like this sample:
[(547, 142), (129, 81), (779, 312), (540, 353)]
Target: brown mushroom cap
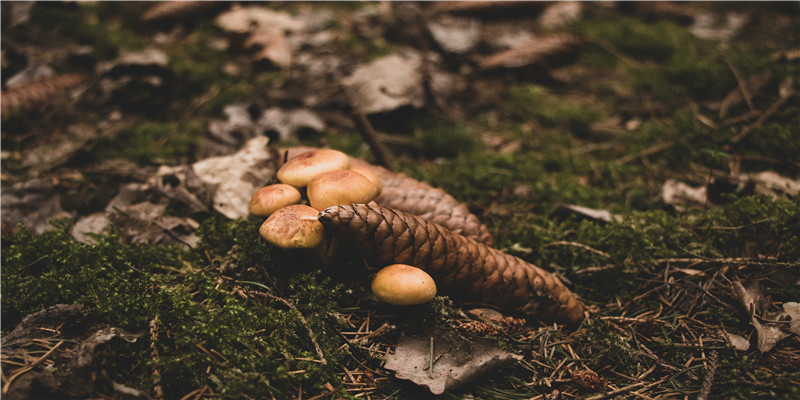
[(269, 199), (403, 285), (293, 227), (364, 168), (300, 170), (340, 187)]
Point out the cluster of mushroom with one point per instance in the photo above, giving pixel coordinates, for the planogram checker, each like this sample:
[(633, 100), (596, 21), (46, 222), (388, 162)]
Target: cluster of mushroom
[(330, 178)]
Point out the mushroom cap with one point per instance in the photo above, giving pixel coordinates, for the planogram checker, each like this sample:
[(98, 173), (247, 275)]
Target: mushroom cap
[(403, 285), (365, 169), (301, 169), (269, 199), (335, 188), (293, 227)]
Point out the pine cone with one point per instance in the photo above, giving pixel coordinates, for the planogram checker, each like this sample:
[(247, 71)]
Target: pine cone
[(403, 193), (33, 95), (462, 267)]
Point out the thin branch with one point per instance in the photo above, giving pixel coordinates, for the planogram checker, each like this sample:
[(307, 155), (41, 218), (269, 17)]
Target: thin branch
[(580, 246), (287, 303), (382, 156), (771, 110)]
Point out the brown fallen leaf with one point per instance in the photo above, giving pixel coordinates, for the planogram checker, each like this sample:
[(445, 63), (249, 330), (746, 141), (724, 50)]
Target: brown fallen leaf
[(752, 298), (738, 342), (452, 367)]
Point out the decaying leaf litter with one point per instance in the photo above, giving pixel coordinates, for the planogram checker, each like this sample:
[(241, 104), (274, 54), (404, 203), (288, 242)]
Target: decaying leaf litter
[(644, 152)]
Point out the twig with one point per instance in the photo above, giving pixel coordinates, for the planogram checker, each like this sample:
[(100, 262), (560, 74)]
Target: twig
[(30, 367), (616, 391), (578, 245), (287, 303), (735, 260), (647, 152), (430, 362), (742, 85), (382, 156), (771, 110)]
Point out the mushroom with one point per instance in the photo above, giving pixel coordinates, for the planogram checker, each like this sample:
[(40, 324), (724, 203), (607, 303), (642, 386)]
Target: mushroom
[(301, 169), (339, 188), (269, 199), (403, 285), (364, 168), (293, 227)]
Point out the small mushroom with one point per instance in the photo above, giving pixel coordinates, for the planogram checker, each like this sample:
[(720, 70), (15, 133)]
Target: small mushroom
[(301, 169), (363, 168), (339, 188), (269, 199), (293, 227), (403, 285)]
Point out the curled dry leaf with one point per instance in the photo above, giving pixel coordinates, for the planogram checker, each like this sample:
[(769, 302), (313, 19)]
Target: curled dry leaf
[(237, 176), (538, 51), (792, 309), (39, 93), (412, 360), (560, 13), (461, 267)]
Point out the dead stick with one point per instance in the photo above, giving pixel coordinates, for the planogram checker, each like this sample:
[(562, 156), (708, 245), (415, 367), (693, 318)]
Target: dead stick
[(616, 392), (382, 156), (318, 349), (646, 152), (771, 110)]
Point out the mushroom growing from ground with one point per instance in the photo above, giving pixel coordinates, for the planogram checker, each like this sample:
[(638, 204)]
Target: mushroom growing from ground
[(301, 169), (340, 187), (269, 199), (363, 168), (293, 227), (403, 285)]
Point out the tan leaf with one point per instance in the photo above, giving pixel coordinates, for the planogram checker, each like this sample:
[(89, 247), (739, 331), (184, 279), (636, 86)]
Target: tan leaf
[(413, 357)]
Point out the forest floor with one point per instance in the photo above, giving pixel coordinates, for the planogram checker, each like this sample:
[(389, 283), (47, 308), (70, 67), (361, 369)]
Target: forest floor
[(644, 153)]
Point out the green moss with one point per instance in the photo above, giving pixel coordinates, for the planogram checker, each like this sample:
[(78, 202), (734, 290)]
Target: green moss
[(153, 142)]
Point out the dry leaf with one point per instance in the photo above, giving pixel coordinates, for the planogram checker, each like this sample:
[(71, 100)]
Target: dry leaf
[(61, 148), (755, 303), (453, 367), (93, 224), (237, 176), (33, 203), (560, 13), (591, 213), (678, 194), (769, 335), (738, 342), (264, 28), (772, 184), (455, 34), (281, 124), (712, 27), (387, 84), (792, 309)]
